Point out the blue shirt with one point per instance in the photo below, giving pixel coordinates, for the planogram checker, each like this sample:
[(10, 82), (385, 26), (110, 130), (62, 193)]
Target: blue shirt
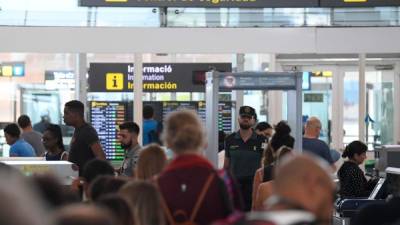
[(148, 126), (318, 148), (22, 148)]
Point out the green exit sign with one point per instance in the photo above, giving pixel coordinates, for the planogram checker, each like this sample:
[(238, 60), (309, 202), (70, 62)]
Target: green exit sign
[(313, 97)]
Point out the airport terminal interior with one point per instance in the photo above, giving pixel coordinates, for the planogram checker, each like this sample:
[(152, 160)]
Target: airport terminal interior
[(322, 75)]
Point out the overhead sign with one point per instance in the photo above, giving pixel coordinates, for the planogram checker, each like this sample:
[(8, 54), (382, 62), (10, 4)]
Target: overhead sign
[(322, 74), (60, 79), (157, 77), (59, 75), (12, 69), (252, 81), (202, 3), (358, 3), (313, 97)]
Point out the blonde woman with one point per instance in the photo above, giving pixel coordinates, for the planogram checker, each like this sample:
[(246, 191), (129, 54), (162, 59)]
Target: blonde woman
[(152, 160), (191, 191), (144, 201)]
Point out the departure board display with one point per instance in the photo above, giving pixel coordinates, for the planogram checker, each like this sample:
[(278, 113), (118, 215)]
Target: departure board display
[(105, 117), (157, 107), (224, 115), (169, 107)]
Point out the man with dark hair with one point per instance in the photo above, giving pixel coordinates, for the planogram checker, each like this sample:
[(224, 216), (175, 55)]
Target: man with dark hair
[(52, 191), (243, 152), (93, 169), (264, 129), (34, 138), (128, 137), (150, 126), (19, 147), (43, 123), (85, 144)]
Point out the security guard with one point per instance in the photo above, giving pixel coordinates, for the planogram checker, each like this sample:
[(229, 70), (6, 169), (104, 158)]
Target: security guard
[(243, 152)]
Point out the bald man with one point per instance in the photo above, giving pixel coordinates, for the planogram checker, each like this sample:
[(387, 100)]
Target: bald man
[(312, 144), (302, 194)]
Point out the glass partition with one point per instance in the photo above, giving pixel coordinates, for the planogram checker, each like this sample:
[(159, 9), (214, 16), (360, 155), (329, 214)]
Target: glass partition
[(68, 13), (350, 107), (318, 102), (37, 85), (380, 87)]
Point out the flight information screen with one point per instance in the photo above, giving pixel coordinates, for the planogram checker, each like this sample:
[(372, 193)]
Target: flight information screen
[(105, 117), (224, 115), (173, 106)]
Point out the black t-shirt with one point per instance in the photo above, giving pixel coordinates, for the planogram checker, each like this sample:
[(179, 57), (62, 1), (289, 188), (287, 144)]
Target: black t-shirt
[(80, 151), (353, 183), (56, 157), (244, 157)]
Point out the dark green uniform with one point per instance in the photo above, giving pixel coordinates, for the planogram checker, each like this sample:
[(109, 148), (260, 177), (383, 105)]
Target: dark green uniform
[(244, 160)]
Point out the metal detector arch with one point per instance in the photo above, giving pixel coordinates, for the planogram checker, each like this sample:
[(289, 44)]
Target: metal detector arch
[(226, 81)]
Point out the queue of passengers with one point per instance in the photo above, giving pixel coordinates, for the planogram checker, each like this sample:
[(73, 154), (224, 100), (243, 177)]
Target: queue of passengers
[(264, 181)]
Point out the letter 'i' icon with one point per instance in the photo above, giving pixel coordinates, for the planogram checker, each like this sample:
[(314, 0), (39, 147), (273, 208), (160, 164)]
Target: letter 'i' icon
[(114, 81)]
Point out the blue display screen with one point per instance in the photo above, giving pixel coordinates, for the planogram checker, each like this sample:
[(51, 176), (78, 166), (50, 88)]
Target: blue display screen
[(19, 70), (306, 85)]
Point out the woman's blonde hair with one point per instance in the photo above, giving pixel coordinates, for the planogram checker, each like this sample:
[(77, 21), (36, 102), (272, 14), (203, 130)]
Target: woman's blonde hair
[(144, 200), (183, 132), (151, 162)]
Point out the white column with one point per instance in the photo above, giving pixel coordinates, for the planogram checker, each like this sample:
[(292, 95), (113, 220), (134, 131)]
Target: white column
[(80, 79), (274, 97), (211, 95), (396, 104), (362, 98), (337, 108), (294, 112), (138, 93), (238, 95)]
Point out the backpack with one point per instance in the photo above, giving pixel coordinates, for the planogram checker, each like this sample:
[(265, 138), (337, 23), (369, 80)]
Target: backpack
[(154, 135), (233, 190), (190, 220)]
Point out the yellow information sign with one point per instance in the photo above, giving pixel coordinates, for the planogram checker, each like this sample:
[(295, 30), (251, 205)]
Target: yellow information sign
[(7, 71), (114, 81)]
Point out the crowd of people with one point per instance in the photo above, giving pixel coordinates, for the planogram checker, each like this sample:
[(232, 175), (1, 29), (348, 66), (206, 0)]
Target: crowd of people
[(263, 179)]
